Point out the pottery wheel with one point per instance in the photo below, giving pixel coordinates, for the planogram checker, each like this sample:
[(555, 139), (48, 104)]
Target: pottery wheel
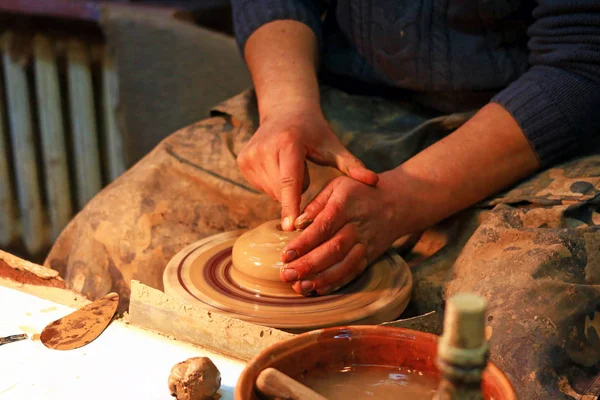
[(202, 274)]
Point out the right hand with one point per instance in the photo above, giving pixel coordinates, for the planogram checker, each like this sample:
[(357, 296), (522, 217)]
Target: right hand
[(274, 160)]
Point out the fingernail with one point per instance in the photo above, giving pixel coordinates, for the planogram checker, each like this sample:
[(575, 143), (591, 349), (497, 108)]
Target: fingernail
[(290, 274), (302, 222), (302, 217), (287, 223), (307, 286), (290, 255)]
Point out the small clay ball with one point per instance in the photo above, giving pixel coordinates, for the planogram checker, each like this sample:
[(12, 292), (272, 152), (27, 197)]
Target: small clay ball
[(194, 379)]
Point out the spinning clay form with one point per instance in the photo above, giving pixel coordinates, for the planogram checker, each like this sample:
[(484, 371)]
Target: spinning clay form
[(237, 274), (257, 253)]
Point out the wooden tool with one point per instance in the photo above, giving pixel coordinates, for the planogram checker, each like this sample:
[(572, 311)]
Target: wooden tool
[(12, 338), (82, 326), (277, 385)]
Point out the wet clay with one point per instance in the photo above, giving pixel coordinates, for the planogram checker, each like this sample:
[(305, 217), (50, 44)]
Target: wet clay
[(257, 253), (371, 382), (22, 275), (203, 274), (194, 379)]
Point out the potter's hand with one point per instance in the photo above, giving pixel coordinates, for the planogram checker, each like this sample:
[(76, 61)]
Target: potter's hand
[(274, 160), (353, 224)]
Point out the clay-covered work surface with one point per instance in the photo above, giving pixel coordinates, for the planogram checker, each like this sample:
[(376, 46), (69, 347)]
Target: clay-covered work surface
[(203, 274)]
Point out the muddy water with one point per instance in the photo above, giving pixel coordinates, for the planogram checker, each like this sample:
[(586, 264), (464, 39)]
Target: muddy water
[(371, 382)]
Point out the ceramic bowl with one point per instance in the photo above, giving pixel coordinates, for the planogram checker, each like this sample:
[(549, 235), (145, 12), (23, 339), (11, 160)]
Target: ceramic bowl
[(346, 346)]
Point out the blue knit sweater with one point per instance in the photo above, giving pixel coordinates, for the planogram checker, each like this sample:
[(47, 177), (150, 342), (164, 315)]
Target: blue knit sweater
[(538, 59)]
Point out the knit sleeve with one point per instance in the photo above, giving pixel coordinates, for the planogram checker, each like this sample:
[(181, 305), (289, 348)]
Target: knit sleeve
[(249, 15), (557, 101)]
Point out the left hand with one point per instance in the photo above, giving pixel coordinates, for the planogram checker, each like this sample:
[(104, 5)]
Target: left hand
[(352, 225)]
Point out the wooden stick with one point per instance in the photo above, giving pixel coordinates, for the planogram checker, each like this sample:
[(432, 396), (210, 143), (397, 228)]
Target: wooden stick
[(277, 385), (464, 328), (462, 349)]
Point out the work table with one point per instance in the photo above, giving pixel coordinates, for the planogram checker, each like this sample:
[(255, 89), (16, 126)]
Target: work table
[(124, 362)]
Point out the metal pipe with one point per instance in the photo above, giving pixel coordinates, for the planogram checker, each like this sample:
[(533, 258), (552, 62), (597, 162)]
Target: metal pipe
[(21, 133), (52, 135), (114, 138), (83, 120)]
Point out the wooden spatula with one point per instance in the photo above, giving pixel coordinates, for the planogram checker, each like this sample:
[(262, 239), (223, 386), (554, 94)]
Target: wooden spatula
[(276, 385), (82, 326)]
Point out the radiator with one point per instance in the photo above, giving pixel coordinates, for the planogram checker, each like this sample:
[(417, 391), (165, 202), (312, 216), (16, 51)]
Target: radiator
[(60, 136)]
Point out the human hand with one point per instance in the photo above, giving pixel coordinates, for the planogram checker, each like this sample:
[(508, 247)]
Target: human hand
[(353, 224), (274, 160)]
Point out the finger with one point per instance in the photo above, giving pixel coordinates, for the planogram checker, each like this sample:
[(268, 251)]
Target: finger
[(324, 256), (251, 177), (268, 189), (313, 208), (335, 154), (337, 275), (354, 168), (306, 181), (362, 265), (255, 172), (291, 176), (325, 225), (247, 171), (268, 176)]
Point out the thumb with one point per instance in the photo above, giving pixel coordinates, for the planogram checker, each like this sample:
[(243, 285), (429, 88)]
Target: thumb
[(354, 168)]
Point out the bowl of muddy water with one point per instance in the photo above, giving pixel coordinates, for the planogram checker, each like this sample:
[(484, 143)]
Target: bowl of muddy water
[(363, 362)]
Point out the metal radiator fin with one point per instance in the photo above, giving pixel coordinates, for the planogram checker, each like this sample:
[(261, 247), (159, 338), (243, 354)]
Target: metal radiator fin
[(60, 138), (54, 148), (20, 119)]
